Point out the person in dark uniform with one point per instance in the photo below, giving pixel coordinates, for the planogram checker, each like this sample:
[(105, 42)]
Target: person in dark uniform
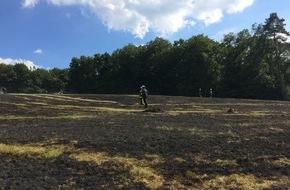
[(144, 94), (210, 93), (3, 90), (200, 92)]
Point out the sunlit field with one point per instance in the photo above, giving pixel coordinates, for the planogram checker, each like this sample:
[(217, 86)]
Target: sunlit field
[(111, 142)]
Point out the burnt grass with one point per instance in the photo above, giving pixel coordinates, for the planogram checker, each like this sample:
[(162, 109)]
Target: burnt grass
[(176, 143)]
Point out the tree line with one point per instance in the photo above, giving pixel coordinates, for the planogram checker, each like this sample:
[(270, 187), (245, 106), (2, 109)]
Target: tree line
[(247, 64)]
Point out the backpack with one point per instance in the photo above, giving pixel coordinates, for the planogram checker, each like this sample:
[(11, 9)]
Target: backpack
[(144, 93)]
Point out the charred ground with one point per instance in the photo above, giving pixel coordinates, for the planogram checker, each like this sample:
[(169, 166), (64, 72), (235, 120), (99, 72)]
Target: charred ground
[(111, 142)]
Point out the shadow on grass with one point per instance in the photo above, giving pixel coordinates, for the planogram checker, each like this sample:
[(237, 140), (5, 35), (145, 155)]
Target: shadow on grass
[(62, 172)]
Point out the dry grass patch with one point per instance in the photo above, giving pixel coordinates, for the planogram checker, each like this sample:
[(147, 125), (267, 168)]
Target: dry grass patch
[(241, 181), (65, 98), (198, 131), (139, 170), (282, 162), (276, 129), (39, 103), (72, 116), (32, 150), (200, 111)]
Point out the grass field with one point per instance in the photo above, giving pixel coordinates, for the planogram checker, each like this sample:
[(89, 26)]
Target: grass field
[(110, 142)]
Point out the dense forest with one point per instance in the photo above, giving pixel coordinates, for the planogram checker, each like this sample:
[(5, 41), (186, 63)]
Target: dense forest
[(247, 64)]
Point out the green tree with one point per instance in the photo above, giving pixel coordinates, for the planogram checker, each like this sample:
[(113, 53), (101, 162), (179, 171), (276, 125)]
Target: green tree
[(82, 74), (126, 60), (198, 65), (157, 67), (7, 76), (59, 78), (106, 73), (23, 81), (39, 78), (236, 75), (276, 51)]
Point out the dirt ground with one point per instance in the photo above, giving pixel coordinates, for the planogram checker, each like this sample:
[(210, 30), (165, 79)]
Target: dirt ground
[(111, 142)]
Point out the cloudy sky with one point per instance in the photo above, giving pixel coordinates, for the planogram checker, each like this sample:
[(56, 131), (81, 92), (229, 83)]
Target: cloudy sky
[(49, 33)]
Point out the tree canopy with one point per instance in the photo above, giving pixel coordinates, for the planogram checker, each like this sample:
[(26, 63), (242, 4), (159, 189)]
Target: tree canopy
[(247, 64)]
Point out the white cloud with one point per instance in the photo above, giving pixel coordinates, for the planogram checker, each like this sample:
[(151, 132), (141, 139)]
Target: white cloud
[(29, 3), (160, 16), (284, 38), (10, 61), (238, 5), (38, 51), (281, 37)]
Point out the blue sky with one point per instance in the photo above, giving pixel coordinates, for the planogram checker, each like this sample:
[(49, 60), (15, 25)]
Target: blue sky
[(49, 33)]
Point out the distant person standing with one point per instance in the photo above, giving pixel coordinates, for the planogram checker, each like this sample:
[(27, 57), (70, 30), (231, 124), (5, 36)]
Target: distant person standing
[(144, 94), (210, 93), (200, 92), (3, 90)]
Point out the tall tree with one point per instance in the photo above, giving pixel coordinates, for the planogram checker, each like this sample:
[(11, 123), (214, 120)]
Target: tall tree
[(7, 76), (82, 74), (39, 80), (277, 52), (159, 65), (105, 72), (23, 81), (59, 79), (127, 61), (198, 65)]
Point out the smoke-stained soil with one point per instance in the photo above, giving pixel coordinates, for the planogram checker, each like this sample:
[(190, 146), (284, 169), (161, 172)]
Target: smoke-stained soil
[(111, 142)]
